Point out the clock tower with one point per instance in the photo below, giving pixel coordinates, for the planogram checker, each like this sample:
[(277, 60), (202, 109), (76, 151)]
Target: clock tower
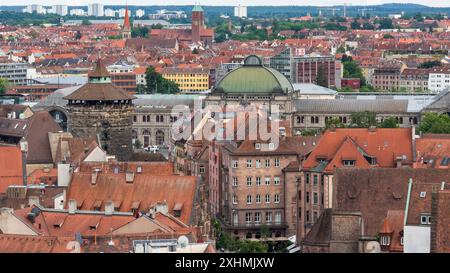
[(198, 22)]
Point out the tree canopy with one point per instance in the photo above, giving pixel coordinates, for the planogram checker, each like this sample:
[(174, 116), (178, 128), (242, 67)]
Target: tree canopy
[(157, 84), (3, 85), (435, 123)]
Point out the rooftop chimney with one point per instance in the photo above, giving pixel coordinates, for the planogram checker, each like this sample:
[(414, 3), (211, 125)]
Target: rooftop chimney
[(109, 208), (72, 206)]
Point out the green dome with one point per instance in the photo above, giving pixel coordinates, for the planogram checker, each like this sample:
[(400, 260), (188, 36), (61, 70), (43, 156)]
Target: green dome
[(254, 79)]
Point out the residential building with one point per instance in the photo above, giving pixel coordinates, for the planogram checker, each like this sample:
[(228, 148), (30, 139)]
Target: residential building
[(240, 11), (387, 77), (140, 13), (347, 148), (16, 73), (414, 80), (61, 10), (39, 9), (96, 10), (439, 79), (439, 222), (381, 228), (188, 79), (34, 132), (307, 68)]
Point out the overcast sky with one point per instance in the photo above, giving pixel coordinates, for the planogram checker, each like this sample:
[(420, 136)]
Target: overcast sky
[(432, 3)]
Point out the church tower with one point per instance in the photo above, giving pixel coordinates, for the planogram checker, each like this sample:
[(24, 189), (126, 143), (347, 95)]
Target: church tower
[(198, 22), (104, 112), (126, 29)]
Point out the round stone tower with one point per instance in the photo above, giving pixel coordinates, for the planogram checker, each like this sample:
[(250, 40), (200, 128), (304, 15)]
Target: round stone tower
[(102, 111)]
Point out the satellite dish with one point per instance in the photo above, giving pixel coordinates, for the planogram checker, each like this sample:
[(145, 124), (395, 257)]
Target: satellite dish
[(183, 241), (373, 247)]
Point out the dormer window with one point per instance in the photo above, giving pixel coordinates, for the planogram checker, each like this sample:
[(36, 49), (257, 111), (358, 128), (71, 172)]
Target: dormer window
[(257, 146), (385, 240), (139, 169), (348, 163), (425, 219)]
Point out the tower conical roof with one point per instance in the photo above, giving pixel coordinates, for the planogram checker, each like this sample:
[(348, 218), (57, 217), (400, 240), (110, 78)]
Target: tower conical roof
[(126, 23), (99, 71)]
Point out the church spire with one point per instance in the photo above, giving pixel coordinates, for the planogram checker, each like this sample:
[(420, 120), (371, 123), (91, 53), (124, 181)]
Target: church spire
[(126, 29)]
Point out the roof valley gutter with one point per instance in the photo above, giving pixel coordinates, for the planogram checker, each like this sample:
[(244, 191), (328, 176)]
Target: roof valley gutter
[(407, 200)]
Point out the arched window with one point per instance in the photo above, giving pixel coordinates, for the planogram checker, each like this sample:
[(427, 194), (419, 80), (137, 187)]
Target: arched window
[(159, 137)]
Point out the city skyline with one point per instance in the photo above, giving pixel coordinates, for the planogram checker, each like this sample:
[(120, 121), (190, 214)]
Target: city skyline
[(429, 3)]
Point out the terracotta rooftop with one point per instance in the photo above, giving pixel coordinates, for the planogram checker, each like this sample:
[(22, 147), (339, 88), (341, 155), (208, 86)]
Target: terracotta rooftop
[(10, 167), (360, 144), (141, 192), (374, 192), (11, 243)]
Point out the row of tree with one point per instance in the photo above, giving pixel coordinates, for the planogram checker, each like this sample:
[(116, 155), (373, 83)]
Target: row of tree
[(431, 123)]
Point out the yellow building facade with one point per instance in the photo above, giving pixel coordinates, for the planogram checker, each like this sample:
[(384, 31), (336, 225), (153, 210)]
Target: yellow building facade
[(188, 79)]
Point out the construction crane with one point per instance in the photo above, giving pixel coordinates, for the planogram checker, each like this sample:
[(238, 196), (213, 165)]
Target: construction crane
[(333, 9), (363, 11)]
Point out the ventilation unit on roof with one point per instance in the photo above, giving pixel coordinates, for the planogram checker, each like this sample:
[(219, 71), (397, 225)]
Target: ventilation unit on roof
[(423, 194)]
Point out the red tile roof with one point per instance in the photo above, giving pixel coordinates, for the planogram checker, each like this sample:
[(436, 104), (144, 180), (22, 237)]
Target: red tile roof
[(10, 167), (10, 243), (62, 224), (147, 189), (431, 151), (357, 143)]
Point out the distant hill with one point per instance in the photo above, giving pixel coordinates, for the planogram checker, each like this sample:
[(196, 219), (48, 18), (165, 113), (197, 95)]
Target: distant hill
[(282, 11)]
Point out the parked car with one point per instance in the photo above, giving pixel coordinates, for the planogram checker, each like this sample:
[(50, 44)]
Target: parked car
[(152, 149)]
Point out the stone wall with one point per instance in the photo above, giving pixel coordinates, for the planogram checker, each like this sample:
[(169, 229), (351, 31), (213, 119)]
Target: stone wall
[(112, 124)]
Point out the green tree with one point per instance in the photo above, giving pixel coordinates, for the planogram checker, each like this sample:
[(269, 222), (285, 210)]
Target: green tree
[(265, 231), (386, 23), (247, 246), (352, 69), (86, 22), (435, 123), (3, 85), (157, 84), (137, 144), (430, 64), (363, 119), (334, 122), (389, 123)]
